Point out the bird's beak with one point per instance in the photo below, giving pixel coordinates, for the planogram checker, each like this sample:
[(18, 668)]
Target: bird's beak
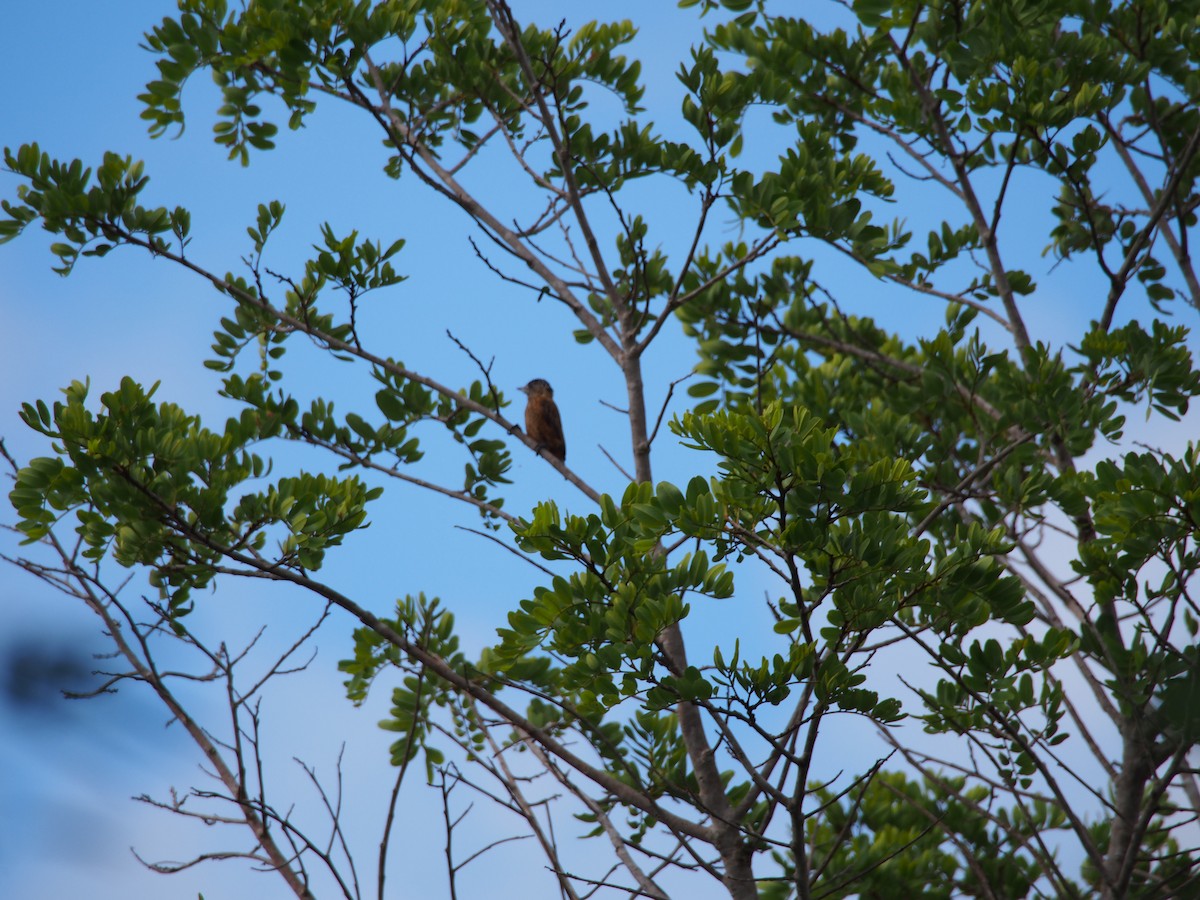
[(524, 390)]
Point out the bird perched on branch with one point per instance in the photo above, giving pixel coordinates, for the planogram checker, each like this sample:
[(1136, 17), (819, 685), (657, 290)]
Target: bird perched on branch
[(542, 422)]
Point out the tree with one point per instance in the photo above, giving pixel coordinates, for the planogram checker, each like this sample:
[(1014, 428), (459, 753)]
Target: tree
[(959, 553)]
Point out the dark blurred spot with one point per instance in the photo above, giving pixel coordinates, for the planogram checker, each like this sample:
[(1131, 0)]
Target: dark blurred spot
[(36, 675)]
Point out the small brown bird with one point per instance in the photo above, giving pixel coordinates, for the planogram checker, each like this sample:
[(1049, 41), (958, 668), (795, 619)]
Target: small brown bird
[(542, 422)]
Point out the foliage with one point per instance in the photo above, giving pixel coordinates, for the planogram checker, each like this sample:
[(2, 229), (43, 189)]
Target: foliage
[(914, 503)]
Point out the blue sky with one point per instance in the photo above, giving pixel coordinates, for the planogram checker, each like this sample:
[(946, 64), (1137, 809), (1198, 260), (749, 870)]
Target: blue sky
[(67, 771)]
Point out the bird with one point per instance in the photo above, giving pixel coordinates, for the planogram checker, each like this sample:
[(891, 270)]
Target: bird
[(542, 422)]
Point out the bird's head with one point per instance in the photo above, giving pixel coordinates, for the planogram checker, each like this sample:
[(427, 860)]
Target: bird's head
[(537, 387)]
